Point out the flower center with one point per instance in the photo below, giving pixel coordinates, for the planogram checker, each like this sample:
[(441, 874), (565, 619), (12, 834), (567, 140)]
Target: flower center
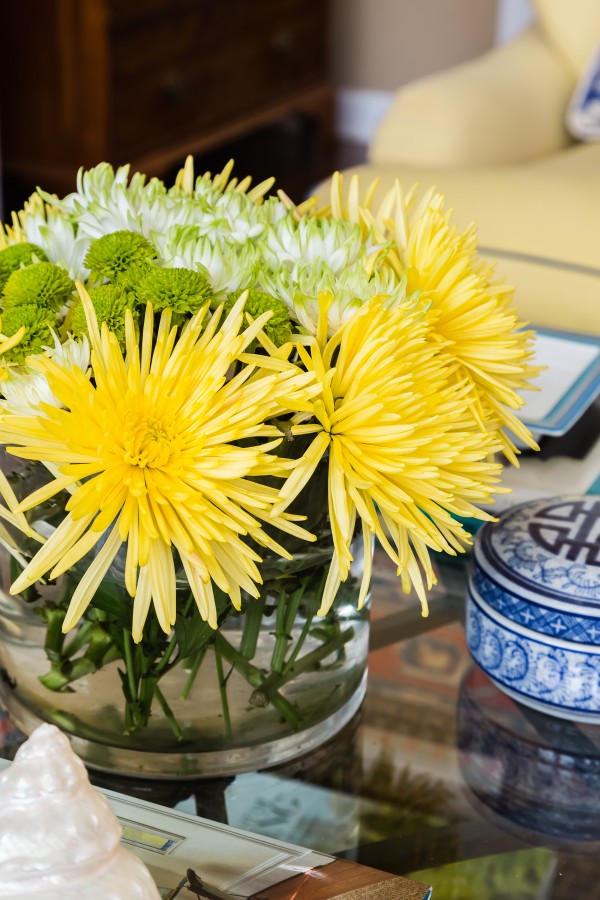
[(150, 441)]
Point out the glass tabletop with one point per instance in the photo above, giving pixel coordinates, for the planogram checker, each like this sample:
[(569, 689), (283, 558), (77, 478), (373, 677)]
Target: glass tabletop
[(440, 776)]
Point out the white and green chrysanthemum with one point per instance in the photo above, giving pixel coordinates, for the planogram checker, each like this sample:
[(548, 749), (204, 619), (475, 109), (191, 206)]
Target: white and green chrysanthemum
[(57, 236), (107, 200), (25, 389), (210, 186), (236, 219), (230, 268), (300, 287), (338, 244)]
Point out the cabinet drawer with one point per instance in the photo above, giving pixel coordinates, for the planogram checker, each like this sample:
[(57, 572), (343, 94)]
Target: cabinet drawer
[(175, 76)]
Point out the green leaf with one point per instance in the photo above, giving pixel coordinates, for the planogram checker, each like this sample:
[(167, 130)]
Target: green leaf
[(193, 633), (112, 599)]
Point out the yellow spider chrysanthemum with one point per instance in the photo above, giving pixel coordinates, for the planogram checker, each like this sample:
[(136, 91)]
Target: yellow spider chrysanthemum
[(403, 453), (186, 179), (7, 343), (470, 310), (11, 513), (145, 445)]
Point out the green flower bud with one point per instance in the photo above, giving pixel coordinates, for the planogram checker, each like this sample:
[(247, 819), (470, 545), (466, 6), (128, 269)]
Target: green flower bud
[(128, 280), (183, 290), (38, 322), (110, 303), (42, 284), (115, 253), (278, 328), (16, 255)]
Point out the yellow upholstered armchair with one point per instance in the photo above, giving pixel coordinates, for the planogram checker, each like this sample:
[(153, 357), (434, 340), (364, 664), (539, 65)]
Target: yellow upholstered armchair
[(491, 136)]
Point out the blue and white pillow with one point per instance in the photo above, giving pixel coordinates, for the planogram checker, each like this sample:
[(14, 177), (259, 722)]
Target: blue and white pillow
[(583, 113)]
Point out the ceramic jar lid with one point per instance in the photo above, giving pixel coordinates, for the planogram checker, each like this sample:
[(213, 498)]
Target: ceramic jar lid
[(539, 565), (533, 607)]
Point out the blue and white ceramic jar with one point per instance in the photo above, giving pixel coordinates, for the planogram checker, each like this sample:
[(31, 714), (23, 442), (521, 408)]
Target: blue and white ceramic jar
[(533, 608)]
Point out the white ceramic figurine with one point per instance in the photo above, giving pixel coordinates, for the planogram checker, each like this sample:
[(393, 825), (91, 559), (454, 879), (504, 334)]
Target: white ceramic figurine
[(59, 838)]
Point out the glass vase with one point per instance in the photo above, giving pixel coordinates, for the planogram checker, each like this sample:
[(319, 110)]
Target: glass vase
[(272, 683)]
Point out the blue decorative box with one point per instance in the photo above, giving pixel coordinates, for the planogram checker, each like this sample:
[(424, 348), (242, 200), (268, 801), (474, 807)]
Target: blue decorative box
[(533, 606)]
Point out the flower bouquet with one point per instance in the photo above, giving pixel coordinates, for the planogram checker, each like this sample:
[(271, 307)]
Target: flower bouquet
[(214, 402)]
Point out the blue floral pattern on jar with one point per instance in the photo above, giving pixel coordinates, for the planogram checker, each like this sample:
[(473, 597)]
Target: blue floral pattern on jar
[(560, 679)]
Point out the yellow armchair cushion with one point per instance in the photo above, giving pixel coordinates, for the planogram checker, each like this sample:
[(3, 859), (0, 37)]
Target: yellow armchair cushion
[(506, 106), (573, 27)]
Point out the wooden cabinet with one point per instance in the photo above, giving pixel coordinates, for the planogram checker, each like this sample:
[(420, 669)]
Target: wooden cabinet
[(148, 81)]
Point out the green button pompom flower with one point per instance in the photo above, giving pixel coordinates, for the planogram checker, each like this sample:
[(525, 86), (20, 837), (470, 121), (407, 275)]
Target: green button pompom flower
[(114, 253), (183, 290), (42, 284), (278, 328), (110, 304), (15, 256), (38, 321)]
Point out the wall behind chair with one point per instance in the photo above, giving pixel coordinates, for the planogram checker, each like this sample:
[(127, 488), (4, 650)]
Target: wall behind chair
[(379, 45), (512, 17)]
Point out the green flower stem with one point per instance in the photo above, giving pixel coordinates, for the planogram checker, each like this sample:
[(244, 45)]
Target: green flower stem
[(101, 648), (142, 677), (255, 678), (282, 638), (223, 693), (193, 673), (81, 637), (287, 710), (100, 651), (287, 610), (168, 712), (57, 680), (107, 637), (148, 682), (253, 620), (55, 638), (292, 610), (299, 644), (131, 679), (251, 673), (130, 686), (174, 640), (307, 625), (308, 663), (129, 722), (164, 662), (64, 669)]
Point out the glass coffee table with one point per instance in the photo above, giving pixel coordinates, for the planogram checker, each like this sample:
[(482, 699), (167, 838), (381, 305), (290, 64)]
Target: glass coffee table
[(440, 777)]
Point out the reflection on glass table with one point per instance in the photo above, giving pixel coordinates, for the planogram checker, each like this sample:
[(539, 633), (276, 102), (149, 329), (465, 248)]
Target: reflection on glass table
[(440, 776)]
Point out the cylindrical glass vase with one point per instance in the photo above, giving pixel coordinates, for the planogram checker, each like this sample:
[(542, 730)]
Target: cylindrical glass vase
[(272, 683)]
